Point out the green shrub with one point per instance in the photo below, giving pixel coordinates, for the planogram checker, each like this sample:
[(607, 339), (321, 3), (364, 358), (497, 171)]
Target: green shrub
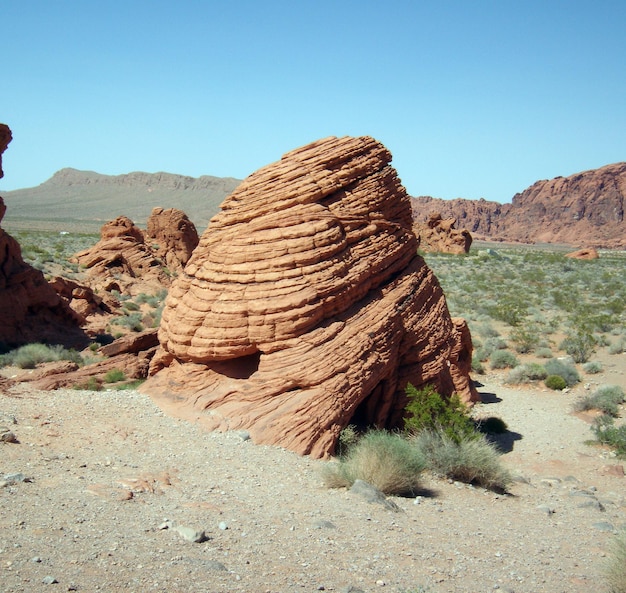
[(385, 460), (616, 566), (30, 355), (544, 353), (607, 433), (526, 373), (525, 338), (564, 369), (92, 384), (555, 382), (617, 347), (579, 345), (114, 376), (606, 399), (348, 437), (470, 460), (503, 359), (477, 366), (427, 410)]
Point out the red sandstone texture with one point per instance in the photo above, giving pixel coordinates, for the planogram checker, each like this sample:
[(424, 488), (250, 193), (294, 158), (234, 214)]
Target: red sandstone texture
[(441, 236), (586, 253), (127, 261), (30, 309), (305, 306), (585, 209)]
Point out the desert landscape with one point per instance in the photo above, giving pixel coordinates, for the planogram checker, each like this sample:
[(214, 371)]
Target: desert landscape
[(188, 393)]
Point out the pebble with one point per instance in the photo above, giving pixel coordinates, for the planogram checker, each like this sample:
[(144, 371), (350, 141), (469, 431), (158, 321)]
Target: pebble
[(190, 534), (7, 436), (223, 525), (49, 580)]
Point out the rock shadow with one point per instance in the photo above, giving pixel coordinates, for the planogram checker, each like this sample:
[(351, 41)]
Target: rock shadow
[(504, 441)]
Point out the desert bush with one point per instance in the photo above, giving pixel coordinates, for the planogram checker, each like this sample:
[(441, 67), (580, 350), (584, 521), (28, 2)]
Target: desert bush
[(593, 368), (579, 345), (607, 433), (477, 366), (471, 460), (386, 460), (133, 321), (616, 566), (131, 306), (486, 330), (348, 437), (525, 338), (564, 369), (526, 373), (555, 382), (617, 347), (92, 384), (606, 398), (543, 353), (427, 410), (503, 359), (114, 376), (30, 355)]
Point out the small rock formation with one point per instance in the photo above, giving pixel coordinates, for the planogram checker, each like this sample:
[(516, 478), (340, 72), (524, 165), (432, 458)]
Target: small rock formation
[(441, 236), (123, 261), (305, 306), (30, 309), (174, 235), (584, 253)]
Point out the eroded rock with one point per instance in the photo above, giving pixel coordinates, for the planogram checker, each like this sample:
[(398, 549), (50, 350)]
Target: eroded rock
[(305, 306), (442, 236)]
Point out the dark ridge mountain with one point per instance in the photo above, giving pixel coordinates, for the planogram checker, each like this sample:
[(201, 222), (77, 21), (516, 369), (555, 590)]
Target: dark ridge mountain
[(585, 209), (85, 199)]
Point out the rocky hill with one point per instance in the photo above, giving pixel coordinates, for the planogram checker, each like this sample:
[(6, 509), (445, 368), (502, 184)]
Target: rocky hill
[(583, 209), (85, 199)]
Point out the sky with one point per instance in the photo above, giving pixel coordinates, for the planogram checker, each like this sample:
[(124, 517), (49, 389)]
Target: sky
[(474, 99)]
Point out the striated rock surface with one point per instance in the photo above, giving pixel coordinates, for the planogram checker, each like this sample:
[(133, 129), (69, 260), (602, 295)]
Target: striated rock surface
[(30, 309), (173, 235), (305, 306), (442, 236)]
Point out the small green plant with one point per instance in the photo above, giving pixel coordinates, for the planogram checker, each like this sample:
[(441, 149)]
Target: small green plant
[(555, 382), (470, 460), (606, 399), (114, 376), (30, 355), (348, 437), (607, 433), (427, 410), (385, 460), (616, 566), (91, 384), (579, 345), (503, 359), (129, 385)]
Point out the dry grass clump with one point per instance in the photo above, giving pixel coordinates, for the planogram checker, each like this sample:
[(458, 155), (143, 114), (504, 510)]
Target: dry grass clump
[(616, 567), (386, 460), (30, 355), (471, 460), (606, 398)]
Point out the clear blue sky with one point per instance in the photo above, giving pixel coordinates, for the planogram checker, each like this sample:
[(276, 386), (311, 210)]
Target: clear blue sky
[(474, 98)]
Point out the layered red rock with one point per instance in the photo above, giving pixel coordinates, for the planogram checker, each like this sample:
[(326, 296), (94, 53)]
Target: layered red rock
[(305, 306), (30, 309), (442, 236)]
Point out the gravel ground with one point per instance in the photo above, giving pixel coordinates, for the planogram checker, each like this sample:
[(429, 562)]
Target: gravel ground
[(103, 492)]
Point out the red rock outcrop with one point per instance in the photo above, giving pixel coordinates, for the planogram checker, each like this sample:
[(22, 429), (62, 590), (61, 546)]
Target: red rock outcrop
[(587, 208), (441, 236), (174, 236), (30, 309), (585, 253), (305, 306), (127, 261), (5, 139)]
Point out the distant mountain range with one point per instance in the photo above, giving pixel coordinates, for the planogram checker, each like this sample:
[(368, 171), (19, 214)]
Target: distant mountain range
[(85, 199), (585, 209)]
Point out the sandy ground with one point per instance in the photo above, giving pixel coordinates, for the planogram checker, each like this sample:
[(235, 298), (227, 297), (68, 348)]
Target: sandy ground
[(103, 492)]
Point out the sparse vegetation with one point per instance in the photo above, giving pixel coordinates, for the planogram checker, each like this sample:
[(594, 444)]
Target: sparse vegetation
[(607, 433), (564, 369), (30, 355), (555, 382), (385, 460), (607, 399), (114, 376)]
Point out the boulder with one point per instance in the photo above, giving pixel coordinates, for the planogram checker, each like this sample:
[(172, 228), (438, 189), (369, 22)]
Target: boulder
[(584, 253), (174, 236), (441, 236), (305, 306)]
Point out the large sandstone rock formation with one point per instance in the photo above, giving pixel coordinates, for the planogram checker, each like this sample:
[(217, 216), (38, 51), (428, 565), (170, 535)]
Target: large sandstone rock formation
[(127, 261), (441, 236), (585, 209), (30, 309), (305, 306)]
